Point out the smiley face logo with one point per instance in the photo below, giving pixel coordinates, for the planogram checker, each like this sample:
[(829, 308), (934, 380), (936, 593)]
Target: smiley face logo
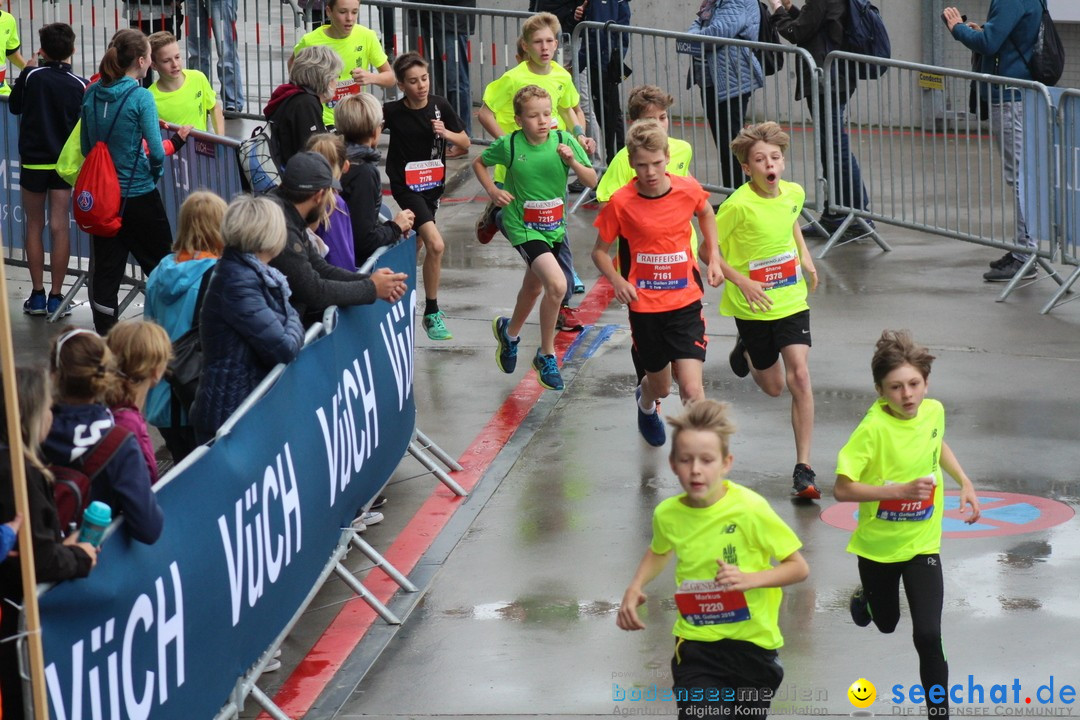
[(862, 693)]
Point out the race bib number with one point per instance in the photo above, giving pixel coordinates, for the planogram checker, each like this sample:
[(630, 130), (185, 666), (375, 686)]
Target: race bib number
[(661, 271), (906, 510), (705, 603), (778, 271), (344, 89), (424, 175), (543, 214), (3, 75)]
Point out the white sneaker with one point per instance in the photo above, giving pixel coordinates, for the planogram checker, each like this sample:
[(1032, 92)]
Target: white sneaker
[(372, 517), (273, 665)]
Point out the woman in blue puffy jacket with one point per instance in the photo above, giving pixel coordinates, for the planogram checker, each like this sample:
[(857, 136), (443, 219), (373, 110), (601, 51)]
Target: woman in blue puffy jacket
[(247, 325), (729, 76)]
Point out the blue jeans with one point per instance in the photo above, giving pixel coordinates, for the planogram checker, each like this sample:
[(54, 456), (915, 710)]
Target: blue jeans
[(217, 18), (846, 177), (450, 73)]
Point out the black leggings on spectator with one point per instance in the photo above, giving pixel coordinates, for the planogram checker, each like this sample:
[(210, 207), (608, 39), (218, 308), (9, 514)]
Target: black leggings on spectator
[(725, 121), (924, 588), (146, 235)]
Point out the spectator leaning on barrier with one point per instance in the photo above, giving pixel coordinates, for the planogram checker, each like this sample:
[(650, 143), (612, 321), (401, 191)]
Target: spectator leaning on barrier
[(315, 283), (818, 28), (602, 53), (217, 18), (730, 76), (447, 36), (144, 229), (296, 108), (172, 292), (1003, 42), (247, 325)]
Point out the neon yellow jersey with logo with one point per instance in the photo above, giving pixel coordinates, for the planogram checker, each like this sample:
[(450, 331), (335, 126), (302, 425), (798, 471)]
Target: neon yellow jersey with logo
[(499, 96), (361, 49), (619, 173), (741, 529), (9, 42), (757, 238), (887, 449), (187, 105)]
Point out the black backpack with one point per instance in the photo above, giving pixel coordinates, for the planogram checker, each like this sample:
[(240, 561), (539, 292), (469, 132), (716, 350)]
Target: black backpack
[(865, 34), (1047, 61), (185, 367), (771, 62)]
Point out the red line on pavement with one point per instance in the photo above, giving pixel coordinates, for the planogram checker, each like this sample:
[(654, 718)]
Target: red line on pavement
[(344, 633)]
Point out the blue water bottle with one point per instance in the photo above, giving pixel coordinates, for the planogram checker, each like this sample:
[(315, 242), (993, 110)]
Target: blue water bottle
[(95, 520)]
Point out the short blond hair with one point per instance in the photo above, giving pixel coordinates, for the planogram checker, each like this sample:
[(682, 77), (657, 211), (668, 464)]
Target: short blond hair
[(140, 349), (766, 132), (315, 68), (706, 416), (644, 96), (253, 225), (159, 40), (531, 25), (358, 117), (645, 135), (198, 229), (527, 93)]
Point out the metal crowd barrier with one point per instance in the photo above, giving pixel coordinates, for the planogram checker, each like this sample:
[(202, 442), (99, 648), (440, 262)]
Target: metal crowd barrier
[(662, 58), (943, 180), (1068, 184)]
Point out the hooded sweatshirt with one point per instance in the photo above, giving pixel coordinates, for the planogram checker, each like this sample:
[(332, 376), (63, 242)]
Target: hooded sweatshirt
[(296, 113), (361, 188), (123, 484), (137, 172), (171, 293)]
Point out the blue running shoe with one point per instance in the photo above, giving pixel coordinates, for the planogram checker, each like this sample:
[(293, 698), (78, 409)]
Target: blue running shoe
[(547, 371), (54, 304), (860, 608), (506, 352), (649, 425), (35, 304)]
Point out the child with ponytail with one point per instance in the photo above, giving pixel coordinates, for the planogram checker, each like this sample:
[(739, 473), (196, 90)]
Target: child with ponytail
[(83, 374)]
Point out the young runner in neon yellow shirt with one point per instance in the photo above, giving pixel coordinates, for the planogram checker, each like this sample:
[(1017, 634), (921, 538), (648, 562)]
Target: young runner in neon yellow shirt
[(725, 538), (359, 48), (892, 466)]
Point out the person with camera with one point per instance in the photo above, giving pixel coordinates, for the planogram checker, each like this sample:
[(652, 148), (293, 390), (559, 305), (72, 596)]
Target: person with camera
[(1004, 42)]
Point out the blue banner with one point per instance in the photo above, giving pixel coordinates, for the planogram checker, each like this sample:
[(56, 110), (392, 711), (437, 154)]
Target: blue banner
[(165, 630)]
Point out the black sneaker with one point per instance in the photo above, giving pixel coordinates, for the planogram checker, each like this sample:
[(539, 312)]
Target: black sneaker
[(860, 608), (378, 502), (1002, 261), (737, 358), (803, 480), (1007, 272), (576, 188)]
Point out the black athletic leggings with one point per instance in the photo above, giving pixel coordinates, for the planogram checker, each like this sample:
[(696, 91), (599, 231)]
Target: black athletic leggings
[(925, 593)]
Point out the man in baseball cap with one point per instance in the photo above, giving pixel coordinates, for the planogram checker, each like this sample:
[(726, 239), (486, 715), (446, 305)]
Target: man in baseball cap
[(315, 283)]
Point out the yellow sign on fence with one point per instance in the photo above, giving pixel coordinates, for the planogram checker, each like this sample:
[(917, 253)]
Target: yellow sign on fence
[(931, 81)]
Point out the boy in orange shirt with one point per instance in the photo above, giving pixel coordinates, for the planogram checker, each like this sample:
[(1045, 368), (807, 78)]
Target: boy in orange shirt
[(658, 275)]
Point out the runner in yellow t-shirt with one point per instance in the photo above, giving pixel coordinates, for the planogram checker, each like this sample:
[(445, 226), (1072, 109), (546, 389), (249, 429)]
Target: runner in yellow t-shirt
[(765, 259), (183, 97), (725, 538), (9, 44), (891, 465), (359, 48)]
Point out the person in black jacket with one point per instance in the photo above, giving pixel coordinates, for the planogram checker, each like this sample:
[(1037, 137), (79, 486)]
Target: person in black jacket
[(818, 28), (246, 324), (315, 283), (54, 560), (296, 108), (49, 98), (359, 119)]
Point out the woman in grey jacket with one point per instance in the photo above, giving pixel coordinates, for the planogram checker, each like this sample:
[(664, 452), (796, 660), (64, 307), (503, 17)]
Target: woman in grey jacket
[(729, 76)]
